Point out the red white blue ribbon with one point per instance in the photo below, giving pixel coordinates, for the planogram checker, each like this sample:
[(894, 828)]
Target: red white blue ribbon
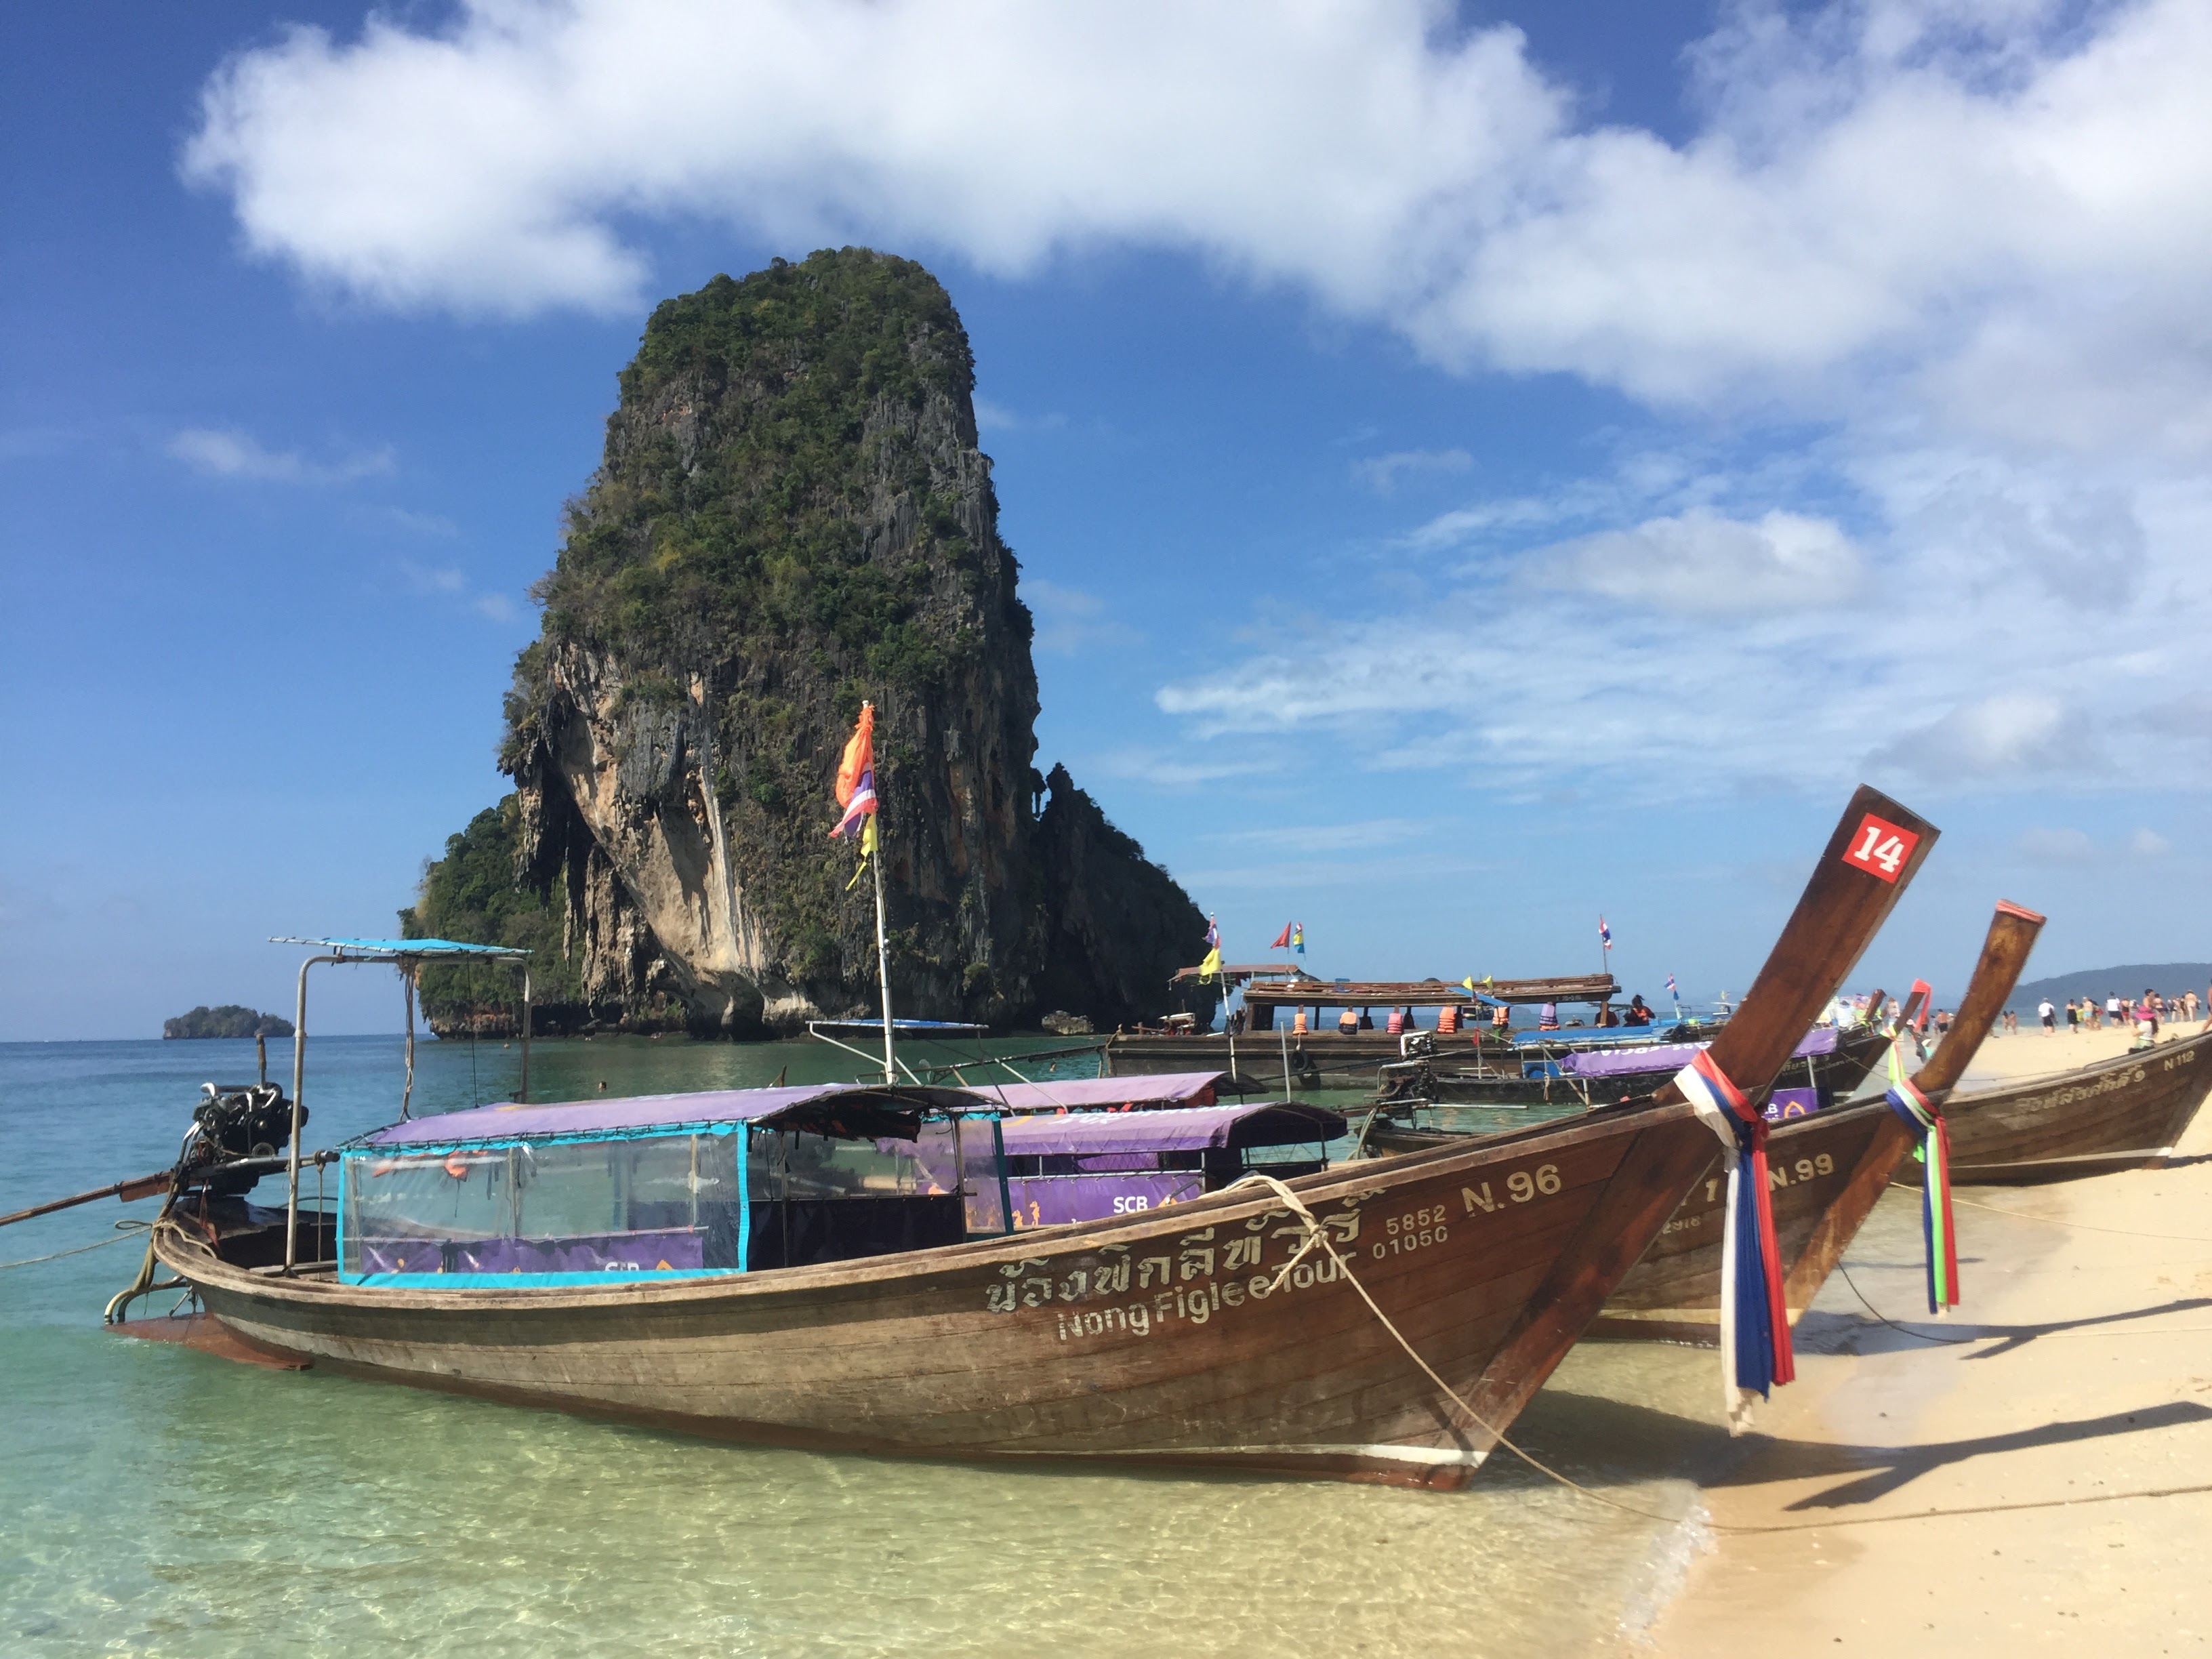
[(1937, 1230), (1755, 1351)]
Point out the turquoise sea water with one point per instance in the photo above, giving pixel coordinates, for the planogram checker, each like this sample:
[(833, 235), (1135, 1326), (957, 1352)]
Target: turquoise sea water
[(156, 1500)]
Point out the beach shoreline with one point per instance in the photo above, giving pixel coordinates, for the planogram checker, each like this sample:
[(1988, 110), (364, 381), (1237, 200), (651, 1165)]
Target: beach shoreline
[(2074, 1380)]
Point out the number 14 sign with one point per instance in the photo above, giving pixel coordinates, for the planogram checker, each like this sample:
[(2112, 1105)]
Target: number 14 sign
[(1880, 847)]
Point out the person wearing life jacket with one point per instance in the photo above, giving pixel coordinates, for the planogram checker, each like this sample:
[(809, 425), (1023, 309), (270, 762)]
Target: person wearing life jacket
[(1501, 1018), (1347, 1022), (1637, 1014), (1396, 1024), (1447, 1020), (1548, 1017)]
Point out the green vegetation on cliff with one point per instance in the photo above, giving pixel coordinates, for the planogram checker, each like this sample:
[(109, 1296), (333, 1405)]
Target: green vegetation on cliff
[(733, 520), (472, 895)]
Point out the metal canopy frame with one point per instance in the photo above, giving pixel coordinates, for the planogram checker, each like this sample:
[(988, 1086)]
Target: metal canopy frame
[(408, 955)]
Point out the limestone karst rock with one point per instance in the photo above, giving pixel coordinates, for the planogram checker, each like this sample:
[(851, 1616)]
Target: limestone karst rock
[(791, 515)]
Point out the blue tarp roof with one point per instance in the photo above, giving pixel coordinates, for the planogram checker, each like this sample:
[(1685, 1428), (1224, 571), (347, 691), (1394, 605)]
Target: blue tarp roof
[(407, 947)]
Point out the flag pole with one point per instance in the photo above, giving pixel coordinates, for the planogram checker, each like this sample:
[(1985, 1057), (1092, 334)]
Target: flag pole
[(882, 947)]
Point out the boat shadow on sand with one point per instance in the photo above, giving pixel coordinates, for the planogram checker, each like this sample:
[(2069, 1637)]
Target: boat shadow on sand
[(1605, 1442), (1885, 1469)]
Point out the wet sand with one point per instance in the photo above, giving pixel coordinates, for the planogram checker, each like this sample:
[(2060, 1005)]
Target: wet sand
[(2076, 1375)]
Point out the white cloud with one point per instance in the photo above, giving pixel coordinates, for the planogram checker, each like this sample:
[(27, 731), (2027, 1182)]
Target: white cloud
[(1704, 563), (1380, 473), (2003, 202), (226, 453), (2148, 844)]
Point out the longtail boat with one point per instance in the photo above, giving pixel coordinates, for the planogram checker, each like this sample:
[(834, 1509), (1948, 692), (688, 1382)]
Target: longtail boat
[(1825, 1172), (713, 1265), (2126, 1113), (1829, 1062)]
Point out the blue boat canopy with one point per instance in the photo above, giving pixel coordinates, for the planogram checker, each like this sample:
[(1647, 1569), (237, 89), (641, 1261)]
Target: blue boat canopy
[(406, 947)]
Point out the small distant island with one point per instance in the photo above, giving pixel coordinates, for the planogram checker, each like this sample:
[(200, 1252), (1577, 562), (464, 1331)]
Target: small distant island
[(228, 1021)]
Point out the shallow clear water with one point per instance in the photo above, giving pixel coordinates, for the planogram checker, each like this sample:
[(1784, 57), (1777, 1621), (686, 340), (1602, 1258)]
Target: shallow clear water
[(156, 1500)]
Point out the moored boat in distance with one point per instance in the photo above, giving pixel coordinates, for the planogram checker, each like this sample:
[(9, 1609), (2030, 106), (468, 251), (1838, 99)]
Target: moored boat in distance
[(2126, 1113)]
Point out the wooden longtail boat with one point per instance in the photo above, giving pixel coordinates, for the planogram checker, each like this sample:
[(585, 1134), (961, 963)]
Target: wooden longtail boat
[(2125, 1113), (1825, 1173), (1830, 1063), (1192, 1336)]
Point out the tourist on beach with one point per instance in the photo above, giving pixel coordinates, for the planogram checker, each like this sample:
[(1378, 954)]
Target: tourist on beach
[(2049, 1017), (2073, 1017), (2113, 1010)]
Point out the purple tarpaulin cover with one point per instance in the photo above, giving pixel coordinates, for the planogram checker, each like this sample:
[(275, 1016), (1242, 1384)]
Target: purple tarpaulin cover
[(1091, 1093), (583, 1117), (1785, 1103), (1048, 1200), (1672, 1056), (1191, 1128)]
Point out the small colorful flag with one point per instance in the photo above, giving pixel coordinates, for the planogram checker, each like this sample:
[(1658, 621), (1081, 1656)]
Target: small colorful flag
[(1213, 933), (867, 852), (1605, 932), (1283, 939), (856, 774), (1299, 937), (1671, 991), (1210, 967)]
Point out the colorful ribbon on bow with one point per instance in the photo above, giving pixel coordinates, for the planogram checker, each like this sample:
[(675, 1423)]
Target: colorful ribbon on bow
[(1934, 1150), (1755, 1351)]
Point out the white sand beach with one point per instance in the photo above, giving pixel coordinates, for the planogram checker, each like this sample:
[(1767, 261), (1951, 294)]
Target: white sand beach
[(2074, 1383)]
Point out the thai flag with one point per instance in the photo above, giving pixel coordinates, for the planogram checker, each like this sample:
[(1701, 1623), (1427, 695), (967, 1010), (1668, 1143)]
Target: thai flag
[(1605, 932), (862, 804), (1671, 991), (1213, 933), (856, 774)]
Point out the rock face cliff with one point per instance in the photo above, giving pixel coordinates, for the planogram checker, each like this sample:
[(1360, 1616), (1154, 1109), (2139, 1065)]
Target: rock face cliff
[(792, 516)]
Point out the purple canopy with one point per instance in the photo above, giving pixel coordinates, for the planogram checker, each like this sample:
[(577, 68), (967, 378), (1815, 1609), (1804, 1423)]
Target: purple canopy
[(1092, 1093), (866, 1107), (1192, 1129), (1672, 1056)]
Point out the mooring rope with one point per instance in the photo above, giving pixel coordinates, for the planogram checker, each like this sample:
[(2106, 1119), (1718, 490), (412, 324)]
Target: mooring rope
[(126, 1230), (2081, 1226), (1844, 1267), (1316, 1234)]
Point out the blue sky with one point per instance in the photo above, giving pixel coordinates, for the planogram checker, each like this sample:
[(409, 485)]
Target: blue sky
[(1472, 469)]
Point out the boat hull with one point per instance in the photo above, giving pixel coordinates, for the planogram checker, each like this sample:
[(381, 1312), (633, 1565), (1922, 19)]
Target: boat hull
[(2119, 1113), (1825, 1173), (1175, 1337)]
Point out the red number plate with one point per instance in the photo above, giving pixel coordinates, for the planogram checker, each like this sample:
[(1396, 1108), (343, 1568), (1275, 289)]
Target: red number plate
[(1879, 846)]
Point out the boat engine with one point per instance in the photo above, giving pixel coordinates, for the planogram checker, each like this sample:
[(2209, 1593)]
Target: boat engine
[(251, 1121)]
